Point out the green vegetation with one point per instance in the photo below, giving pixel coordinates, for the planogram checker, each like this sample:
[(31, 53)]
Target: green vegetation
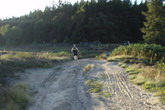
[(16, 98), (155, 22), (122, 65), (101, 56), (14, 59), (36, 56), (97, 87), (17, 59), (141, 51), (105, 94), (94, 86), (144, 64), (11, 62), (133, 69), (114, 22)]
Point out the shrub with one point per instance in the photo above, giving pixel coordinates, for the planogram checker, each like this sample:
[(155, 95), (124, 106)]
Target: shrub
[(149, 51), (18, 95), (161, 67), (15, 98), (12, 106), (148, 66)]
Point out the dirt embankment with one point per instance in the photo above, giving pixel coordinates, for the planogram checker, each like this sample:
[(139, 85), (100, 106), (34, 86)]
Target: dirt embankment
[(63, 88)]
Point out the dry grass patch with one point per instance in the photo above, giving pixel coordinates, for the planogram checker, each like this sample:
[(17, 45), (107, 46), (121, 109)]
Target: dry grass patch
[(97, 87), (94, 86), (87, 67), (150, 78)]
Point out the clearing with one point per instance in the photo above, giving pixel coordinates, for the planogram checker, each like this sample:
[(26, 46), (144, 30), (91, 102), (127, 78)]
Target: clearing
[(64, 87)]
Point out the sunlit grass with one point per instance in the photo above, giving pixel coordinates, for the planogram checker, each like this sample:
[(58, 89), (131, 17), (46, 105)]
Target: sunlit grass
[(118, 57), (148, 51), (51, 55), (12, 61), (133, 69), (139, 80), (94, 86), (123, 65), (145, 66), (101, 56), (150, 85), (105, 94), (30, 55), (87, 67), (151, 78), (6, 57), (23, 55)]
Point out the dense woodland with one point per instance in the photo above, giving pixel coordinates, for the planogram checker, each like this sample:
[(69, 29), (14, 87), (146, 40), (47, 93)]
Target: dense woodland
[(107, 21)]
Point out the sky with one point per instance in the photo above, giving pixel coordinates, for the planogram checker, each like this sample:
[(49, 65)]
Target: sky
[(16, 8)]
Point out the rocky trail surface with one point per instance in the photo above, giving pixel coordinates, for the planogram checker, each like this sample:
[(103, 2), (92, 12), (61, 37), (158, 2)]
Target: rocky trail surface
[(63, 88)]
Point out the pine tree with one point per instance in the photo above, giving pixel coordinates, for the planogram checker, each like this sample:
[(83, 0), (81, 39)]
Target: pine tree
[(154, 30)]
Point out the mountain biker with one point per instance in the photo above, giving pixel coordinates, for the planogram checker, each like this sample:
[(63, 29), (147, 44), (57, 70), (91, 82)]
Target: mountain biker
[(75, 51)]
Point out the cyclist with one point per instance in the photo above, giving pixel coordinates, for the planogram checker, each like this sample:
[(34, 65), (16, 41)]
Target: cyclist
[(75, 51)]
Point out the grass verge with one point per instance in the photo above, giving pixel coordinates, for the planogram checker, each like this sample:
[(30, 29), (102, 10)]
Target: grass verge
[(16, 98), (150, 76), (18, 59)]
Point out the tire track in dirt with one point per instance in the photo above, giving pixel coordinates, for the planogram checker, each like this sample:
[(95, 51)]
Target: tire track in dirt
[(125, 95), (58, 88), (63, 88)]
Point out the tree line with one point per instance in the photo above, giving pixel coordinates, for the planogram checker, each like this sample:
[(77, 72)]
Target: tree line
[(107, 21)]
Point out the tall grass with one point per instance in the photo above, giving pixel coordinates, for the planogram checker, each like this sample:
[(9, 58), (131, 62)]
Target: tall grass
[(151, 78), (146, 66), (13, 61), (19, 96), (34, 55), (149, 51), (16, 98)]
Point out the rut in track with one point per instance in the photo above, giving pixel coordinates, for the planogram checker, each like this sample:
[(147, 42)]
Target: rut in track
[(63, 88)]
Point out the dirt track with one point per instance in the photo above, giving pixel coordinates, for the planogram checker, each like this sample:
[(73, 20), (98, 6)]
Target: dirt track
[(62, 88)]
